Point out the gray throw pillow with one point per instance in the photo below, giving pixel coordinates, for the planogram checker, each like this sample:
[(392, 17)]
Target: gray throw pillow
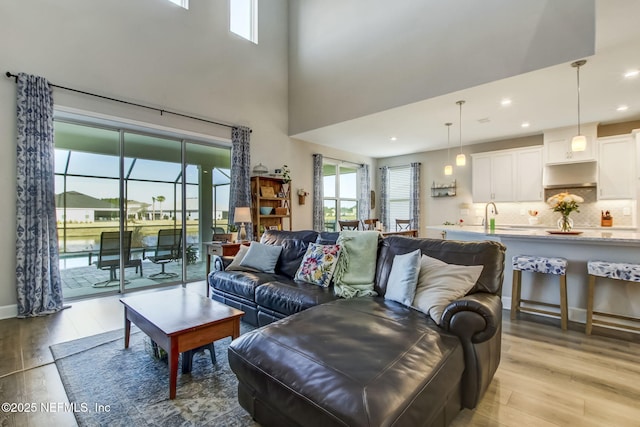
[(401, 286), (440, 283), (242, 252), (262, 257)]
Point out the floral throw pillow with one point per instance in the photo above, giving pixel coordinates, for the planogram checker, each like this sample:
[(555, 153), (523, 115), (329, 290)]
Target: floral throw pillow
[(318, 264)]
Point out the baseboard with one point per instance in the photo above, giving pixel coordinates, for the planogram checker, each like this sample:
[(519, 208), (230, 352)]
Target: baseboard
[(8, 311)]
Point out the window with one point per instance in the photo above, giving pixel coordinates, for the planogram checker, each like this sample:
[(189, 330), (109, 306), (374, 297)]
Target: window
[(108, 177), (181, 3), (399, 194), (340, 185), (243, 19)]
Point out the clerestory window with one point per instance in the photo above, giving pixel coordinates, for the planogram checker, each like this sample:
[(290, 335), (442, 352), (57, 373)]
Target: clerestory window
[(243, 19), (181, 3)]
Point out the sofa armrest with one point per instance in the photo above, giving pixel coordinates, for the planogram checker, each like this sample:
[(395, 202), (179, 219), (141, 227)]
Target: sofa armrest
[(220, 263), (476, 320), (476, 317)]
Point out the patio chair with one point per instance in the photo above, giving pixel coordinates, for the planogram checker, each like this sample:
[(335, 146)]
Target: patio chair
[(109, 256), (168, 248)]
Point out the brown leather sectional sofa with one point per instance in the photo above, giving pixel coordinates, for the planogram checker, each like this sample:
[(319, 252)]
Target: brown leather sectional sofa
[(365, 361)]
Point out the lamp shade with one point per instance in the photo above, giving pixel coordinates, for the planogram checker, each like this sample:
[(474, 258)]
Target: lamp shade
[(242, 214), (579, 143), (461, 160), (448, 170)]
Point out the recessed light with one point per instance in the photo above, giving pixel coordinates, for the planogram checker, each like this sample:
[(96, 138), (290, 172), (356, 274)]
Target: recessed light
[(525, 124), (393, 138), (632, 73), (505, 102), (622, 108)]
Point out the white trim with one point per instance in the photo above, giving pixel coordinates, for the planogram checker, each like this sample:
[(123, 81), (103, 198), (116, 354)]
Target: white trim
[(8, 311)]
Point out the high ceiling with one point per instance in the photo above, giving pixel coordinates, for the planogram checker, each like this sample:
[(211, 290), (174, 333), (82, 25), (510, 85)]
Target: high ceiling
[(546, 99)]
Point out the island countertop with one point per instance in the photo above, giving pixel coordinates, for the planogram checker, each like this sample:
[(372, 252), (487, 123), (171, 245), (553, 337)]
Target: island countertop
[(587, 235)]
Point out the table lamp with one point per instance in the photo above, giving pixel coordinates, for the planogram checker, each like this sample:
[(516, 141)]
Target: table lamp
[(242, 215)]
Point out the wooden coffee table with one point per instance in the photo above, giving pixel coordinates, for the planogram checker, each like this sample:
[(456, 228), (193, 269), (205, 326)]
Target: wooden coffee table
[(179, 320)]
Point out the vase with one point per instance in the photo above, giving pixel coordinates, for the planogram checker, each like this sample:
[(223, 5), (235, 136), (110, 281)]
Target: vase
[(285, 188), (565, 224)]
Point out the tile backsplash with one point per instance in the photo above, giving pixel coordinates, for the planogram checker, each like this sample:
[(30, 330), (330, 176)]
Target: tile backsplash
[(622, 211)]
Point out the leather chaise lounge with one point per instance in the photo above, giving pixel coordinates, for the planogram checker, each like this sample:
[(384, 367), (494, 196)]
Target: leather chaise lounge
[(365, 361)]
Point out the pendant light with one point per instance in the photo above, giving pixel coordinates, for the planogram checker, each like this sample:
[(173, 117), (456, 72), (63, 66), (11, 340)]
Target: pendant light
[(579, 142), (461, 160), (448, 169)]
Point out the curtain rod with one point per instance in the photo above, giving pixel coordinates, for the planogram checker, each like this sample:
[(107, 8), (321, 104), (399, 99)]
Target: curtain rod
[(14, 76)]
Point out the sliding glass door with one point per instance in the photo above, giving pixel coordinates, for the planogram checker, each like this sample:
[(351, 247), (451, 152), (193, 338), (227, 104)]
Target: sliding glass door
[(134, 209)]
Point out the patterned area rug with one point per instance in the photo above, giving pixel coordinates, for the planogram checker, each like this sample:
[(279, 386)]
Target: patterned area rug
[(108, 385)]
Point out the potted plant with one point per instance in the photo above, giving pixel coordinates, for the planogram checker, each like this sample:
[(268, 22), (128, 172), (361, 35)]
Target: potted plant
[(286, 179), (233, 230), (192, 255)]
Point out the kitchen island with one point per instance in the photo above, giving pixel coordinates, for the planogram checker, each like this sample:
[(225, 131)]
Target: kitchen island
[(617, 245)]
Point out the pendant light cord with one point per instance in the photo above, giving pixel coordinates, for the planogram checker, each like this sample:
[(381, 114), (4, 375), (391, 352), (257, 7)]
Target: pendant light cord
[(460, 127), (577, 66), (578, 79)]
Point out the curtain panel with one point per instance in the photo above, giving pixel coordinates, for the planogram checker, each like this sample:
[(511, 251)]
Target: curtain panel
[(318, 193), (364, 198), (384, 197), (38, 282), (414, 200), (240, 186)]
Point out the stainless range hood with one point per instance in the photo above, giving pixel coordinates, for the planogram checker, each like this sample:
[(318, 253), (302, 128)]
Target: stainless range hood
[(574, 175)]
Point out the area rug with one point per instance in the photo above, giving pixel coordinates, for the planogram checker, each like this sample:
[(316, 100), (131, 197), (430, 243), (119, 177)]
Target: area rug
[(108, 385)]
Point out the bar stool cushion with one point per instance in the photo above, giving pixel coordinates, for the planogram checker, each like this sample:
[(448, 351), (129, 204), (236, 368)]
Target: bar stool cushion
[(615, 270), (538, 264)]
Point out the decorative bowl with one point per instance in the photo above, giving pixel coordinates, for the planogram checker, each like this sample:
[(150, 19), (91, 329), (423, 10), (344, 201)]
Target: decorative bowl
[(265, 210)]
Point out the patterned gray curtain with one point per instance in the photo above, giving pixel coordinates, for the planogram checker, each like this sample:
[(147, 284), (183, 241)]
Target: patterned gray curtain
[(240, 188), (318, 193), (364, 199), (384, 197), (414, 201), (37, 260)]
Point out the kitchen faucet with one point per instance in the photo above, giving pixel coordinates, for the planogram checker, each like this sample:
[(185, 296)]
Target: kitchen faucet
[(486, 214)]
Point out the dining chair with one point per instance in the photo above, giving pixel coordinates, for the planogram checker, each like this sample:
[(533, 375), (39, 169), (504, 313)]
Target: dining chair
[(369, 224), (349, 225), (403, 224)]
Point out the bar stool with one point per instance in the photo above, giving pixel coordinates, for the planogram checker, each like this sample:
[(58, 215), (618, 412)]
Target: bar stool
[(544, 265), (612, 270)]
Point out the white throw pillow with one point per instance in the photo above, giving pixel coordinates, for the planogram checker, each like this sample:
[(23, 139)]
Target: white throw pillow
[(440, 283), (262, 257), (242, 252), (401, 286)]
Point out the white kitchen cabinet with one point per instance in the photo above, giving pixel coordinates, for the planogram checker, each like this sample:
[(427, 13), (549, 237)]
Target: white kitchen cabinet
[(528, 173), (492, 176), (558, 151), (616, 168)]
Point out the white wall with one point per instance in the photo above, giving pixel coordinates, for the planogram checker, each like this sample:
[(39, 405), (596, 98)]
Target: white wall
[(146, 51), (353, 58), (155, 53)]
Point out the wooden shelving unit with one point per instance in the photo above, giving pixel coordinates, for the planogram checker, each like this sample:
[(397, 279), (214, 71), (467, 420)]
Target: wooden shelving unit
[(260, 198)]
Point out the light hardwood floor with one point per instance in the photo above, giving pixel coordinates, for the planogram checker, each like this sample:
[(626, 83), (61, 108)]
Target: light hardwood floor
[(547, 377)]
